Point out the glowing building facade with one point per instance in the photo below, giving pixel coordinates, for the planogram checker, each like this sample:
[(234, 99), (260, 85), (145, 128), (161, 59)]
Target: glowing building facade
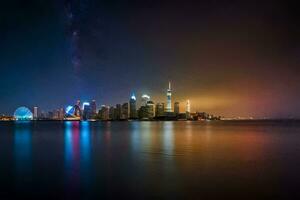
[(169, 99), (111, 113), (86, 111), (188, 109), (23, 113), (73, 112), (35, 112), (132, 107), (150, 109), (94, 107), (145, 99), (125, 111), (104, 112), (159, 109), (118, 112)]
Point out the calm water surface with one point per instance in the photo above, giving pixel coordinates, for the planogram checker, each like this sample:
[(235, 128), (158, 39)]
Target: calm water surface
[(169, 160)]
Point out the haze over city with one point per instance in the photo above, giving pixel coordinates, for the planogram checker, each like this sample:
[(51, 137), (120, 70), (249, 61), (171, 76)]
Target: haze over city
[(239, 58), (149, 99)]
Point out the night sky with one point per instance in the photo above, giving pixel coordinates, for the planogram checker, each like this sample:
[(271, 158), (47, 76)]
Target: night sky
[(233, 58)]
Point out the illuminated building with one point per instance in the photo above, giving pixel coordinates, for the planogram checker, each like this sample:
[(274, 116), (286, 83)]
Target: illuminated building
[(85, 104), (94, 107), (23, 113), (6, 118), (77, 111), (35, 113), (124, 114), (146, 112), (169, 99), (104, 113), (55, 114), (159, 109), (188, 106), (176, 108), (145, 99), (69, 110), (150, 110), (188, 109), (142, 113), (117, 112), (73, 112), (61, 113), (132, 105), (87, 111), (111, 113)]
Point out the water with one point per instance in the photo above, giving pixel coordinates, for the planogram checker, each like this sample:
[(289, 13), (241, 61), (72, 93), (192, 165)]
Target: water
[(146, 160)]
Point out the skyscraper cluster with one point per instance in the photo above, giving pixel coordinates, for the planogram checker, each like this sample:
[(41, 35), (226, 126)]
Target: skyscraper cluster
[(148, 110)]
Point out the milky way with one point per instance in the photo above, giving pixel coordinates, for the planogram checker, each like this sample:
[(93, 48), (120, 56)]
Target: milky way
[(233, 58), (75, 10)]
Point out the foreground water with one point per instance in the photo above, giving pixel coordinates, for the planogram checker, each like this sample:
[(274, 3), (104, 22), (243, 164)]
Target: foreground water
[(190, 160)]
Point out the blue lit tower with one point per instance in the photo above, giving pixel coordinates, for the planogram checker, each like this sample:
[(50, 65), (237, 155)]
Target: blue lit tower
[(132, 107), (86, 111), (169, 101)]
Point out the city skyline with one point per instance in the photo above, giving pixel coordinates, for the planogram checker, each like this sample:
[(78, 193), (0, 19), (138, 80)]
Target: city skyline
[(233, 58), (159, 98), (143, 108), (149, 99)]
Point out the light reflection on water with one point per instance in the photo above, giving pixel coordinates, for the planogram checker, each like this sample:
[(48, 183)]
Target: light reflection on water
[(23, 153), (160, 159), (85, 150), (68, 145), (85, 142), (23, 142), (168, 140), (77, 154)]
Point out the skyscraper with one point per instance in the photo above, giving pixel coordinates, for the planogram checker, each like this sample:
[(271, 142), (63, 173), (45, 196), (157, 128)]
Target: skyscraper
[(145, 99), (169, 101), (94, 107), (56, 114), (124, 114), (104, 112), (142, 113), (61, 113), (176, 108), (35, 112), (118, 111), (132, 104), (159, 109), (111, 113), (188, 109), (87, 111), (150, 109)]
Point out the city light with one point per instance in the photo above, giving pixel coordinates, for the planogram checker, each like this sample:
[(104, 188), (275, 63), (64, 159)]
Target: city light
[(145, 96), (23, 113), (85, 104), (147, 110), (69, 109), (133, 96)]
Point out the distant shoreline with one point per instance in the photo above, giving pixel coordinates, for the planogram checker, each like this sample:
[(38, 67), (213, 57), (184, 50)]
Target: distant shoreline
[(221, 120)]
